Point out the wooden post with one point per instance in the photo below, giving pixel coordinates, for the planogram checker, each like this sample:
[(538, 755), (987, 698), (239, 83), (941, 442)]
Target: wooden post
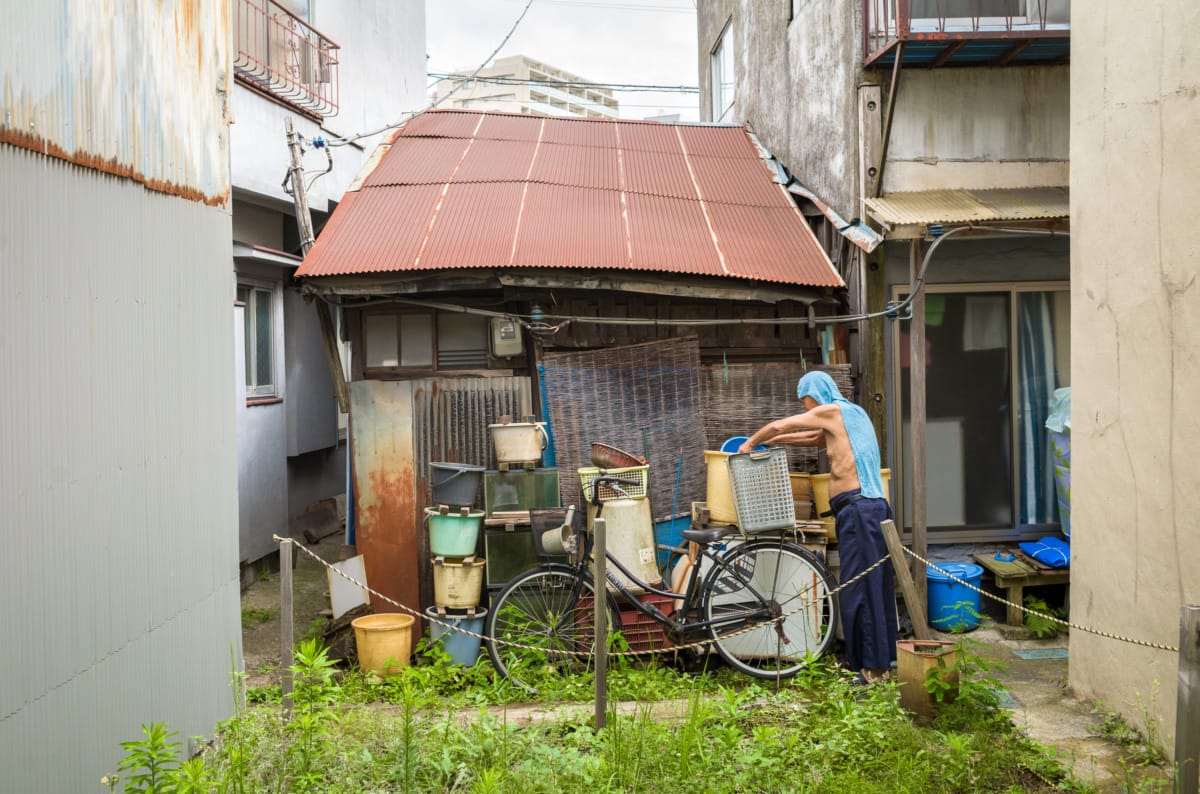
[(916, 379), (286, 625), (305, 227), (1187, 706), (600, 610), (916, 606)]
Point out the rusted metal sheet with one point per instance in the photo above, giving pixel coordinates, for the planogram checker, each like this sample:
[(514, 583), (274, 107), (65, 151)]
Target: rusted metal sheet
[(387, 526), (460, 189), (69, 90), (965, 206), (396, 429)]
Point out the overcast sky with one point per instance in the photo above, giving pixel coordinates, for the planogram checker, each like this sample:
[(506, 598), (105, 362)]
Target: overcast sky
[(613, 41)]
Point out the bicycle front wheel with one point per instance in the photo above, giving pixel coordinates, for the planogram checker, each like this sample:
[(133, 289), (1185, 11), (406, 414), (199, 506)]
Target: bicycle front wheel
[(543, 624), (771, 607)]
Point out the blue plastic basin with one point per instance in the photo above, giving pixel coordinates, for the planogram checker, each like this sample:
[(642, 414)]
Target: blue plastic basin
[(952, 605)]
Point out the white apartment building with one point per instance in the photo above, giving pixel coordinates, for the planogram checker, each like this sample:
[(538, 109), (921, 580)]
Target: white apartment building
[(519, 84)]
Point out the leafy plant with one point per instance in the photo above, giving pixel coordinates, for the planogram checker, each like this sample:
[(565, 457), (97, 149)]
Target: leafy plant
[(313, 718), (1041, 627), (150, 763)]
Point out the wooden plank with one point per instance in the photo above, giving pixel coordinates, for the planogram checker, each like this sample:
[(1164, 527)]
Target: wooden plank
[(916, 604), (916, 375)]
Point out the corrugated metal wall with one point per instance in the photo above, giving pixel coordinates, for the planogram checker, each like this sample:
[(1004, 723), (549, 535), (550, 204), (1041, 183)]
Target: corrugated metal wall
[(396, 429), (118, 487)]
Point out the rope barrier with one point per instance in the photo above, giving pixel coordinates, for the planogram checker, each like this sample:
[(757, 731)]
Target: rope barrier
[(705, 642), (562, 651), (1044, 615)]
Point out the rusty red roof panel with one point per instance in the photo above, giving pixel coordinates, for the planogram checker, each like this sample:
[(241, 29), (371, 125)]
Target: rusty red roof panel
[(649, 137), (767, 244), (511, 127), (363, 236), (525, 191), (671, 235), (580, 166), (496, 161), (441, 124), (427, 161), (580, 132), (724, 179), (474, 227), (658, 173), (567, 227), (716, 141)]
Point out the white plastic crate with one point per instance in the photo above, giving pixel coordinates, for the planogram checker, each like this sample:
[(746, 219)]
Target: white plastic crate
[(762, 491)]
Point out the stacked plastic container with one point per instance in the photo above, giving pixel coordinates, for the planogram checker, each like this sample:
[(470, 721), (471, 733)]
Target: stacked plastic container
[(454, 525), (516, 486)]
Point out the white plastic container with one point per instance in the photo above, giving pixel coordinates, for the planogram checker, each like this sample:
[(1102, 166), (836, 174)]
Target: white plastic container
[(519, 442), (630, 538)]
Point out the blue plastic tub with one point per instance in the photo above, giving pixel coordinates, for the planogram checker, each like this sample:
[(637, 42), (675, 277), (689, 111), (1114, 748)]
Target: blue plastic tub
[(463, 648), (732, 444), (953, 606), (670, 533)]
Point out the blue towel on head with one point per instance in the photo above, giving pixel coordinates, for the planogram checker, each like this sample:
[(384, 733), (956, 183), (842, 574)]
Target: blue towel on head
[(821, 388), (1049, 550)]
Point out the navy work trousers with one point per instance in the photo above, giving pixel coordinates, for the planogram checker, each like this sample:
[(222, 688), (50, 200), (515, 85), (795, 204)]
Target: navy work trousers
[(868, 606)]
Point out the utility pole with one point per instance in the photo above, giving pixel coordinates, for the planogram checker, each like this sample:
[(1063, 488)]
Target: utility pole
[(307, 238)]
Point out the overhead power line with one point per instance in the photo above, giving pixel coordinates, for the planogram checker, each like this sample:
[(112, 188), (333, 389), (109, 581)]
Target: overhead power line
[(478, 69), (629, 87)]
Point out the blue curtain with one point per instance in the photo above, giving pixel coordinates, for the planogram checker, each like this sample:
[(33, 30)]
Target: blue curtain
[(1037, 379)]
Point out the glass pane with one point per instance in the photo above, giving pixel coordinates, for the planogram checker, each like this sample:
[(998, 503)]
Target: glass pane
[(243, 295), (462, 332), (1043, 322), (968, 431), (958, 9), (263, 369), (416, 340), (383, 346)]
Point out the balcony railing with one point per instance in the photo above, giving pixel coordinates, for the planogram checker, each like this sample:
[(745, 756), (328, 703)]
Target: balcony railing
[(283, 56), (966, 32)]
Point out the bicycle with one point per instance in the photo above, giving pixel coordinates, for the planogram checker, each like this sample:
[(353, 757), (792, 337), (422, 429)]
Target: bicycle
[(767, 605)]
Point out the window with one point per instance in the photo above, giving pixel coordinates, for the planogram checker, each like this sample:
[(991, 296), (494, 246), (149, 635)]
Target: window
[(722, 74), (259, 340), (424, 341), (961, 13)]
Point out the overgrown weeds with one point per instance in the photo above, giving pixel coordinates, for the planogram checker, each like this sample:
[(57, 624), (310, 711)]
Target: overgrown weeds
[(436, 727)]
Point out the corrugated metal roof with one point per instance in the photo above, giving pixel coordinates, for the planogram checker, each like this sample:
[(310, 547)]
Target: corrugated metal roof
[(463, 189), (963, 206)]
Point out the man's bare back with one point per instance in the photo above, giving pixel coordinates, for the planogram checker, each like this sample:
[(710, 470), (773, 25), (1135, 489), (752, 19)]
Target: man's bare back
[(819, 425)]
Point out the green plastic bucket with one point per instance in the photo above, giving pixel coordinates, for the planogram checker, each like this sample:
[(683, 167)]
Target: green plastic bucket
[(453, 534)]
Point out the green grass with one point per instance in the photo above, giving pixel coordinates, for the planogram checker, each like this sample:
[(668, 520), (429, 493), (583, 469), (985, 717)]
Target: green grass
[(430, 728), (254, 615)]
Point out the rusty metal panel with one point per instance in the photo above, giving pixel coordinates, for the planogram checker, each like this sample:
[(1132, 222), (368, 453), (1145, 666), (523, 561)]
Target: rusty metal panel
[(387, 519), (138, 89)]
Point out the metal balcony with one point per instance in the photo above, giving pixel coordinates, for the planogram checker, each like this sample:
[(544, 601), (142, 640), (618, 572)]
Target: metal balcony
[(934, 33), (282, 56)]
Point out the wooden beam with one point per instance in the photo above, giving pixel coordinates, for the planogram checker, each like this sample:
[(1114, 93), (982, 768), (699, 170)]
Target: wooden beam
[(948, 53), (916, 376), (893, 89), (1013, 52), (912, 600)]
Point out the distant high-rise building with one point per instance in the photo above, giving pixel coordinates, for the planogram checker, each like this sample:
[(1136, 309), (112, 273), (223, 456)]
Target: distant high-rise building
[(519, 84)]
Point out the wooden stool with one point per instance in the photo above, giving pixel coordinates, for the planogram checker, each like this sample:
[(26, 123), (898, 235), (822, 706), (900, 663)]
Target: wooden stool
[(1023, 571)]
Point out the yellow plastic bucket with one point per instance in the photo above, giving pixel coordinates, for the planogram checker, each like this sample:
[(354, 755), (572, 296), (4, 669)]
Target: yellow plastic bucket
[(719, 493), (457, 583), (384, 642), (820, 489)]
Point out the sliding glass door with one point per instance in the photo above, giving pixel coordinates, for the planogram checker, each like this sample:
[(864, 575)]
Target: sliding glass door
[(994, 355)]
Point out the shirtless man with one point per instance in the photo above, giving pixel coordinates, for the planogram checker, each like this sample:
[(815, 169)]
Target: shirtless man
[(868, 606)]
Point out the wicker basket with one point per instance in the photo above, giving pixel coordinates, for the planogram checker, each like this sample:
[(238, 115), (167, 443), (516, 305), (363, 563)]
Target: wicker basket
[(762, 491)]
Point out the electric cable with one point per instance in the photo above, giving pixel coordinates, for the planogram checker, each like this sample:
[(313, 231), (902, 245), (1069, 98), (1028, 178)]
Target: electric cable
[(511, 31)]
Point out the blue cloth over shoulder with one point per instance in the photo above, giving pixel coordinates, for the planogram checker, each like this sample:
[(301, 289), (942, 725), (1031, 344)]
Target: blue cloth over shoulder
[(861, 432)]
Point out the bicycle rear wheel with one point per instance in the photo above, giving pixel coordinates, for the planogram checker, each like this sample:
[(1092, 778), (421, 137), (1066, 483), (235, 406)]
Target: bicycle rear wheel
[(772, 608), (543, 624)]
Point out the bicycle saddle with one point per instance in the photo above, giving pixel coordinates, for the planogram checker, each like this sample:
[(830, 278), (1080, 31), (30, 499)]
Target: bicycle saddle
[(710, 535)]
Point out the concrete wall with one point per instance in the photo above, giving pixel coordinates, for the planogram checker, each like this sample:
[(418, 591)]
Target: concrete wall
[(795, 84), (1135, 428)]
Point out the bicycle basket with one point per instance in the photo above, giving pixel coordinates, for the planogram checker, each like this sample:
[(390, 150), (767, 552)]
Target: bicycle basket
[(762, 491), (639, 473)]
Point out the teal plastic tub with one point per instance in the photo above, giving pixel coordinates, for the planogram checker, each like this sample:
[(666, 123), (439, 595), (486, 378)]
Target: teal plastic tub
[(952, 605), (453, 534)]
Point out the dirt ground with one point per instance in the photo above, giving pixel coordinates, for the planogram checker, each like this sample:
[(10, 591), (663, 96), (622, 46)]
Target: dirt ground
[(1041, 700)]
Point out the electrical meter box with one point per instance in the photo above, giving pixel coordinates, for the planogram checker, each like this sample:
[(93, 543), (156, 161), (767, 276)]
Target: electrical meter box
[(506, 339)]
